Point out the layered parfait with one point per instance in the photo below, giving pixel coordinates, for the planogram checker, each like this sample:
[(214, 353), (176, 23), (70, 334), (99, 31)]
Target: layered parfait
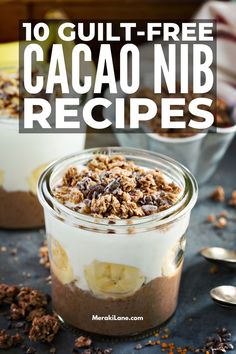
[(23, 157), (116, 233)]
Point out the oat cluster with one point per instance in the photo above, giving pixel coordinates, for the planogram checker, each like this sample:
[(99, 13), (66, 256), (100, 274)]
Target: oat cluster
[(8, 341), (218, 194), (28, 304), (8, 293), (113, 187), (9, 95), (44, 329), (29, 307)]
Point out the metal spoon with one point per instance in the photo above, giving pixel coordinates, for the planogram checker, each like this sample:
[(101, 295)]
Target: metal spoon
[(224, 295), (219, 255)]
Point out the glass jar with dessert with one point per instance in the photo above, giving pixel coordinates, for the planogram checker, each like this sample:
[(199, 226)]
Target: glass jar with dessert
[(116, 222), (23, 157)]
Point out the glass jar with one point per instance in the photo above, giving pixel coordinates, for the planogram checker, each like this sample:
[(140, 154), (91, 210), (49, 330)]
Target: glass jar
[(22, 159), (116, 278)]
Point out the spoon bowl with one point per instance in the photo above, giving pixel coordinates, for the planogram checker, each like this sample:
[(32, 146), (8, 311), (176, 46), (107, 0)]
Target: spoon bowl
[(220, 256), (224, 295)]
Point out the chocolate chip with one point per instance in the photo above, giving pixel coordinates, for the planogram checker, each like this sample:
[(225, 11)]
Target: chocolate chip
[(87, 202), (83, 185), (147, 200), (112, 186), (95, 191)]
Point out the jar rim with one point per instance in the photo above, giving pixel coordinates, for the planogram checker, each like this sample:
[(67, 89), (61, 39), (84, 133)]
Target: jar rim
[(184, 204)]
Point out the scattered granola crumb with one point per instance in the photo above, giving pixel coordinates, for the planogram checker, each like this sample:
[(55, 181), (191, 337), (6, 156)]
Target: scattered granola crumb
[(36, 313), (29, 304), (17, 312), (232, 201), (214, 269), (31, 297), (82, 342), (44, 329), (3, 249), (7, 341), (211, 218), (8, 293), (218, 194), (221, 222)]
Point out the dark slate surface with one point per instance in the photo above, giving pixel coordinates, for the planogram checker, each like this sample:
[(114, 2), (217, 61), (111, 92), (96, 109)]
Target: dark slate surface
[(197, 316)]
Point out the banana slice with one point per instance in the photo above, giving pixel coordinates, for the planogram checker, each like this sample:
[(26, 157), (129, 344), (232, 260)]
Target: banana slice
[(60, 262), (1, 177), (33, 178), (113, 280)]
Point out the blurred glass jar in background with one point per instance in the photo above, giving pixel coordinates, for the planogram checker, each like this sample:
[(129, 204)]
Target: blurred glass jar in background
[(23, 157)]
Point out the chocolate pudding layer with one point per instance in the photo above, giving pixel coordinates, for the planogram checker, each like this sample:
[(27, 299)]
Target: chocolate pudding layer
[(20, 210), (155, 302)]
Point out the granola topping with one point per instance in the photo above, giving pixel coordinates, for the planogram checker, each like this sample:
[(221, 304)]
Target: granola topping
[(9, 95), (113, 187)]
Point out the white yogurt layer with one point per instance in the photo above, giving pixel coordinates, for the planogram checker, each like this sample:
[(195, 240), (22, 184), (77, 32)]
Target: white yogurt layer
[(151, 252), (22, 154)]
